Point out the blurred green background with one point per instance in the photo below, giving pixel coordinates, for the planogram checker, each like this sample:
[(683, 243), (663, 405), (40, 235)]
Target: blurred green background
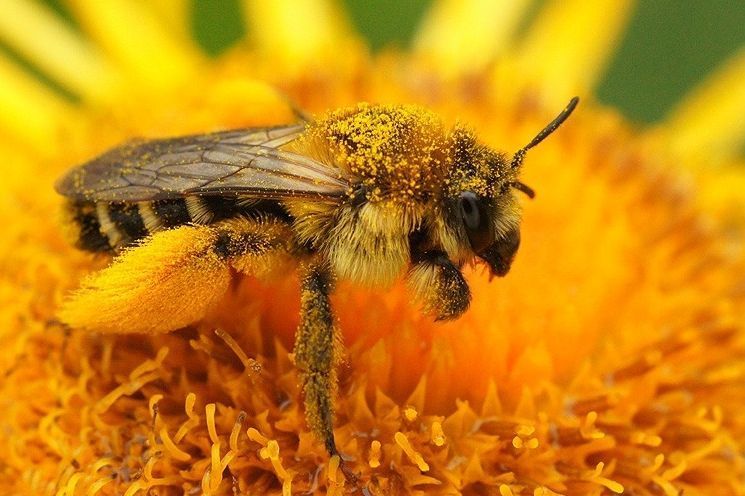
[(669, 46)]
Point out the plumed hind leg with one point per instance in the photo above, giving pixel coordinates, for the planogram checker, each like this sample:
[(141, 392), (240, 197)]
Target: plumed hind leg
[(169, 281), (173, 278)]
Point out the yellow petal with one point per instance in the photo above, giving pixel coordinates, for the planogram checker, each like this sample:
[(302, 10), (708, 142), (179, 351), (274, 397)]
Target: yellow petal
[(710, 121), (567, 48), (464, 36), (297, 32), (132, 33), (47, 41), (175, 15), (30, 112)]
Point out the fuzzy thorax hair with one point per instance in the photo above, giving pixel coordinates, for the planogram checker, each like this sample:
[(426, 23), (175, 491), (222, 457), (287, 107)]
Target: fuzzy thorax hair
[(405, 154)]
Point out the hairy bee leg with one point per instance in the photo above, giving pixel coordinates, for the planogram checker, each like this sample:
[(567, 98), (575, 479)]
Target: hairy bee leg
[(168, 282), (439, 285), (248, 245), (258, 247), (316, 353)]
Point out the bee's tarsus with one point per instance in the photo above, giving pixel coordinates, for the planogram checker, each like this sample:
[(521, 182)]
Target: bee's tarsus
[(517, 158), (351, 477)]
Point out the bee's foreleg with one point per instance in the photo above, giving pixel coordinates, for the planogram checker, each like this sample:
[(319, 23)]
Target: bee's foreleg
[(439, 285), (316, 353)]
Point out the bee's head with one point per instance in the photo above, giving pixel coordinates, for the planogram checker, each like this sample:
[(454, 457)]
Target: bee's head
[(481, 206)]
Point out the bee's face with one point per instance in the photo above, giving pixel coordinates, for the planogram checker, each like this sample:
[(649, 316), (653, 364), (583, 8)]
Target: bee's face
[(481, 212), (491, 227)]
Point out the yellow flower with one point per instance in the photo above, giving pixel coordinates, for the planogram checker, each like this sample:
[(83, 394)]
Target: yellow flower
[(611, 359)]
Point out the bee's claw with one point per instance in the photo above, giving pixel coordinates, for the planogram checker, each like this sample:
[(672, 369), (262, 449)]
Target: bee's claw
[(351, 477), (354, 481)]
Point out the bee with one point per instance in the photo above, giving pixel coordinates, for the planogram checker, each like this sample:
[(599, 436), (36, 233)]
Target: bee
[(369, 194)]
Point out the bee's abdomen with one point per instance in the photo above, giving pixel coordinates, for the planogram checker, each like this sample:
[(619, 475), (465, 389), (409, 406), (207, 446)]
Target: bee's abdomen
[(88, 234), (110, 226)]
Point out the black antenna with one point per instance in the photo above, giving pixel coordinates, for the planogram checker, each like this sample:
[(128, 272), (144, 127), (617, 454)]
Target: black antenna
[(522, 187), (517, 158)]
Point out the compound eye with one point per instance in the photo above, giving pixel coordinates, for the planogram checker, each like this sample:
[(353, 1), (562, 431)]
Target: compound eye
[(476, 219)]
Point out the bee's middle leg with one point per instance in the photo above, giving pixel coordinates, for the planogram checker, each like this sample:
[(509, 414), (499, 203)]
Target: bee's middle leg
[(316, 353), (250, 246), (439, 285)]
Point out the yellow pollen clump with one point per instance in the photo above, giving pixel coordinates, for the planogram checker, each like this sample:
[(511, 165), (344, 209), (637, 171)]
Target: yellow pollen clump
[(410, 413), (176, 266), (333, 468)]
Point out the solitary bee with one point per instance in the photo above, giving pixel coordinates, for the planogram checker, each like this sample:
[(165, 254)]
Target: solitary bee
[(367, 194)]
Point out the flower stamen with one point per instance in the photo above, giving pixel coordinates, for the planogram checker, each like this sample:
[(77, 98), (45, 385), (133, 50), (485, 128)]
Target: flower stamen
[(403, 442)]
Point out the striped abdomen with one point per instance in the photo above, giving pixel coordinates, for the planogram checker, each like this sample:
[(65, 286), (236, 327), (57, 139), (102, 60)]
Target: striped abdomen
[(110, 226)]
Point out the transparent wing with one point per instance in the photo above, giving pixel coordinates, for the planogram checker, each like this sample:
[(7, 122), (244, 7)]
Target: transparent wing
[(244, 162)]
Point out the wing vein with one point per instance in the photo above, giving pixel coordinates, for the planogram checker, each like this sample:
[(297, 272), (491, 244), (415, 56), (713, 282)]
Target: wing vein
[(246, 163)]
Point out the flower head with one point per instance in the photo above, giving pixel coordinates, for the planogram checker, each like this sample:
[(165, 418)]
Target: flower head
[(609, 360)]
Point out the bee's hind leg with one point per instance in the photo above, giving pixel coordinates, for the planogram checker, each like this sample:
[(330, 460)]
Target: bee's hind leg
[(317, 350)]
